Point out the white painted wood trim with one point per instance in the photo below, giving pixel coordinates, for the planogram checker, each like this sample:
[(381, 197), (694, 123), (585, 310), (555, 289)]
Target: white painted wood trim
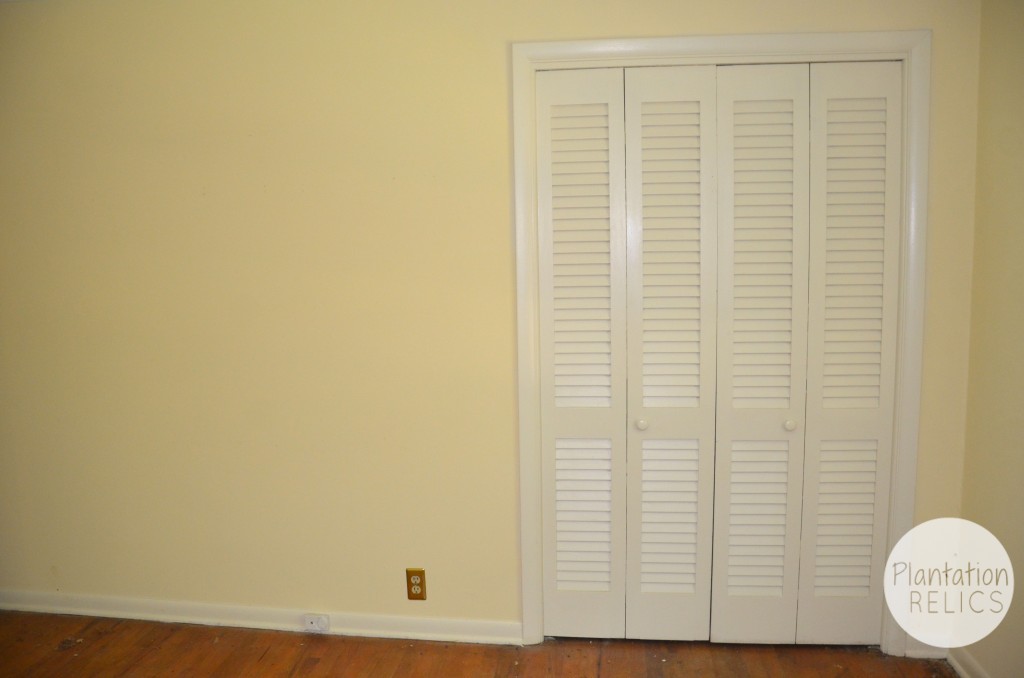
[(918, 650), (531, 527), (913, 48), (917, 98), (720, 49), (965, 664), (188, 612), (915, 649)]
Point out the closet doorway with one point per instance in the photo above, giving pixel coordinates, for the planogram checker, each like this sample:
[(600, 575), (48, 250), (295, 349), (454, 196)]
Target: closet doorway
[(719, 292)]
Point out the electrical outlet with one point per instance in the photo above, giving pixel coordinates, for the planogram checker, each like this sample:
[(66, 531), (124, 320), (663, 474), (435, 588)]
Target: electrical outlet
[(416, 583), (316, 623)]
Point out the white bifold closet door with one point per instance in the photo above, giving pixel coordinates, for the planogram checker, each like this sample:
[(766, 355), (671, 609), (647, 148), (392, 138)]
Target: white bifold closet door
[(717, 253), (670, 262), (626, 161), (808, 261), (762, 350), (582, 266), (856, 151)]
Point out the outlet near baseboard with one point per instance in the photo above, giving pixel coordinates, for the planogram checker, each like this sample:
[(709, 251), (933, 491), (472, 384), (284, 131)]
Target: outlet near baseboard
[(316, 623)]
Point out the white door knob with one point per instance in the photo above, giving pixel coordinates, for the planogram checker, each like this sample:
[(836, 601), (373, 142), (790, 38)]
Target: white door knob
[(641, 424), (790, 425)]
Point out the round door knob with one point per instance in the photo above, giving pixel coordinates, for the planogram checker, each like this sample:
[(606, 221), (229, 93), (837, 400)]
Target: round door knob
[(641, 424), (790, 425)]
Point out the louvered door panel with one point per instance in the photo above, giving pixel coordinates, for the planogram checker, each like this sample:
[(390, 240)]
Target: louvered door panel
[(763, 242), (669, 152), (671, 268), (762, 303), (671, 213), (581, 242), (668, 516), (583, 510), (854, 248), (758, 498), (845, 519), (856, 120), (581, 275)]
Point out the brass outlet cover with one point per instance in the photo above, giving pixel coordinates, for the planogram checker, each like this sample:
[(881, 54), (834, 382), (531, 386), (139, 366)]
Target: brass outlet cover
[(416, 583)]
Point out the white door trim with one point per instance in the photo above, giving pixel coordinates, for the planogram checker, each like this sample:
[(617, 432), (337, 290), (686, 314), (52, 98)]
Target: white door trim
[(913, 48)]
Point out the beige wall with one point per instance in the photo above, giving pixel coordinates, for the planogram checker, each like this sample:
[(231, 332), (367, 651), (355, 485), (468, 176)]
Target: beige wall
[(994, 466), (257, 297)]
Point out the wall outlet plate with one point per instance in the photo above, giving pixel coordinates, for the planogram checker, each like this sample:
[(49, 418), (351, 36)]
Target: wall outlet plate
[(316, 623), (416, 583)]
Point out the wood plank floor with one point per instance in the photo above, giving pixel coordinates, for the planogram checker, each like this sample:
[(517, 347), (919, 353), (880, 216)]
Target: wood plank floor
[(59, 645)]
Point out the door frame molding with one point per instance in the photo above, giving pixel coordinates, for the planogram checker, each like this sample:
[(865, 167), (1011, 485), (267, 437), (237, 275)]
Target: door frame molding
[(913, 49)]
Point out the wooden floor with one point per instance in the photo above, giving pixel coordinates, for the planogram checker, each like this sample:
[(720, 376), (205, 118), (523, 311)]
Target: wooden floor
[(59, 645)]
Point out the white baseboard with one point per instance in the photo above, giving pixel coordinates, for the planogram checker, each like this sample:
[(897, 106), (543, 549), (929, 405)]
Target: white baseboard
[(918, 650), (965, 665), (341, 623)]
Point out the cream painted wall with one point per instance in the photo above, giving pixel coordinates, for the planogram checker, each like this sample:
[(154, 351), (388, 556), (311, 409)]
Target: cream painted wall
[(994, 464), (257, 288)]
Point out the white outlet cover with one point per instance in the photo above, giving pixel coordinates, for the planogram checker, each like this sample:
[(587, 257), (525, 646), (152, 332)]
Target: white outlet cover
[(316, 623)]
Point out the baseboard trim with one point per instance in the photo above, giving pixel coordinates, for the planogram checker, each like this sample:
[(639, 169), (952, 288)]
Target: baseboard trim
[(965, 665), (918, 650), (342, 623)]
